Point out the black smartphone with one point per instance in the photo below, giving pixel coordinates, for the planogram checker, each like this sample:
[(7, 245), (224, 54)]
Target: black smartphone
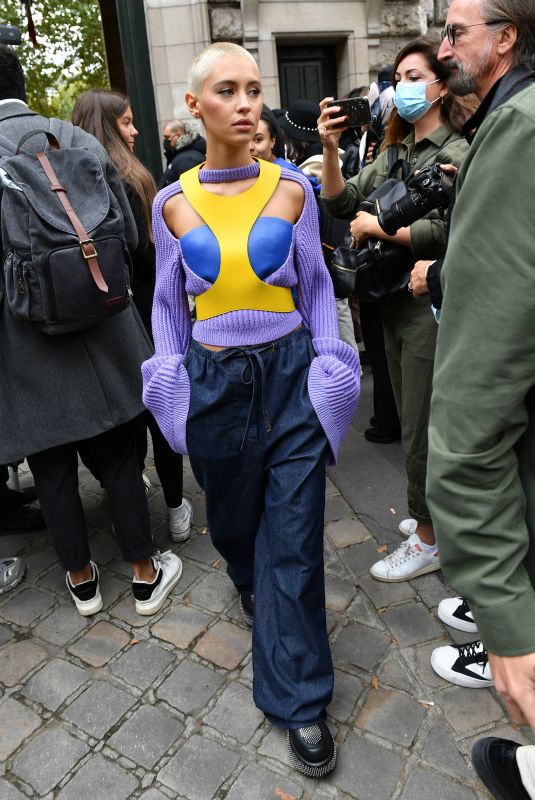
[(357, 109), (9, 34)]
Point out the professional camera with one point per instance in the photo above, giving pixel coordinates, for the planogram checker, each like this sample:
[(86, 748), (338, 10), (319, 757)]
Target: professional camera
[(428, 189)]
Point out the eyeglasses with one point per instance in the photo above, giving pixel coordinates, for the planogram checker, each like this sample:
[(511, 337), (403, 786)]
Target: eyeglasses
[(451, 31)]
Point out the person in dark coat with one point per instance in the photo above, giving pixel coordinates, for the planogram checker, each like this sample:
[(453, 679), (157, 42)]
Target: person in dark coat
[(183, 147), (76, 393)]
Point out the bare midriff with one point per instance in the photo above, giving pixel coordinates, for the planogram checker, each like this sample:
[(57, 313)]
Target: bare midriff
[(216, 347)]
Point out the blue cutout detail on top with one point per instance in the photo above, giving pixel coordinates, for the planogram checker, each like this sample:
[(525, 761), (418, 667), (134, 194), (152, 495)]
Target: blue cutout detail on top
[(268, 248)]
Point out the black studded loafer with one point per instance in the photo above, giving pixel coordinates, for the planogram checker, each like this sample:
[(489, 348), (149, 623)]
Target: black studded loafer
[(312, 750), (496, 764), (247, 607)]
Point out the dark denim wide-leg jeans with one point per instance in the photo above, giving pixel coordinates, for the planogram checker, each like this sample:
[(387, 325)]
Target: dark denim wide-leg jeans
[(258, 450)]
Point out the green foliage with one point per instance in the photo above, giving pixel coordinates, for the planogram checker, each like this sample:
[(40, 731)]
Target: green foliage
[(70, 58)]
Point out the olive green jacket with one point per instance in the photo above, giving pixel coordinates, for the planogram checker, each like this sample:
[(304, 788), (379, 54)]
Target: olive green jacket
[(428, 235), (481, 465)]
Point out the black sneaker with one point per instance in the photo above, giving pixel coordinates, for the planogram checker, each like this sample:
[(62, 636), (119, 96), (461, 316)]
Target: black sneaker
[(86, 595), (247, 607), (496, 764), (312, 750), (464, 664)]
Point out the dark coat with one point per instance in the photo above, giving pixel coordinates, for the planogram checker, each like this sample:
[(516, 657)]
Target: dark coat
[(68, 387), (189, 157)]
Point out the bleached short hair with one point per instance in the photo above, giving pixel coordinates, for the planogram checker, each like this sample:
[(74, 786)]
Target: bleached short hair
[(204, 63)]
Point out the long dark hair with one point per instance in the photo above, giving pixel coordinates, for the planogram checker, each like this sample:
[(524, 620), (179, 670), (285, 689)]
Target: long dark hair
[(97, 112), (455, 110)]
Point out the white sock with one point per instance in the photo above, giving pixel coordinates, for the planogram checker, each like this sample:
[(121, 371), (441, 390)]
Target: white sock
[(525, 758), (428, 548)]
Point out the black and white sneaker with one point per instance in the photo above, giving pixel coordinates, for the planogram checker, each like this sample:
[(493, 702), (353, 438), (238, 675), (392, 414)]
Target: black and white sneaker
[(312, 750), (455, 612), (150, 596), (464, 664), (247, 607), (86, 595)]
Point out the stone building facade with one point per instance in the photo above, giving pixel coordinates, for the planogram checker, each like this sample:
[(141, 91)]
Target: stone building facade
[(303, 47)]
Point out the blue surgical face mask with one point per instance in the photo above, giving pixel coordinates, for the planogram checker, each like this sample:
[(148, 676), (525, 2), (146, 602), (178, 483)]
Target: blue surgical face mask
[(411, 101)]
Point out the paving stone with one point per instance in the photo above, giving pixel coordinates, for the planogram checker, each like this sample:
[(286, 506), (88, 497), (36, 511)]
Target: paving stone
[(12, 545), (441, 752), (5, 635), (153, 794), (97, 709), (54, 581), (467, 709), (347, 690), (198, 769), (112, 588), (394, 674), (190, 686), (361, 646), (412, 623), (274, 745), (333, 566), (235, 713), (146, 735), (16, 723), (360, 557), (257, 783), (425, 783), (39, 560), (338, 593), (47, 758), (362, 611), (366, 771), (54, 683), (103, 548), (337, 508), (347, 532), (214, 592), (8, 792), (224, 644), (100, 644), (181, 625), (142, 664), (199, 511), (125, 610), (200, 548), (26, 606), (61, 626), (17, 659), (100, 779), (384, 594), (190, 573), (392, 715), (420, 659), (432, 589)]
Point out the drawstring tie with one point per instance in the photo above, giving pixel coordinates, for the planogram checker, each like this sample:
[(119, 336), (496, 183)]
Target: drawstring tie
[(251, 357)]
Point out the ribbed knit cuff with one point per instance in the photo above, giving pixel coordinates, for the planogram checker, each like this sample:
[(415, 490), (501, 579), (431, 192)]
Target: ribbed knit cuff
[(166, 393)]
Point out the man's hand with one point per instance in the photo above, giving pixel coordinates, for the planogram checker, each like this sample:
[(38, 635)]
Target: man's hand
[(514, 678), (418, 282)]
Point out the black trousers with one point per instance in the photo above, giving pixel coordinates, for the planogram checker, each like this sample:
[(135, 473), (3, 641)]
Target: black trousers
[(168, 464), (6, 502), (114, 455), (384, 404)]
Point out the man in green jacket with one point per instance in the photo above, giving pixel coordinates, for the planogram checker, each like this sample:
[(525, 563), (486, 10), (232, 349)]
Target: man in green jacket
[(481, 468)]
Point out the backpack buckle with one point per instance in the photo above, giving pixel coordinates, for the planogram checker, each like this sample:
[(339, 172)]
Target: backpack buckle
[(83, 243)]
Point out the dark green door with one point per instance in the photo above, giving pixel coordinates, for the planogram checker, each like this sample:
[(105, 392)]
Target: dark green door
[(306, 71)]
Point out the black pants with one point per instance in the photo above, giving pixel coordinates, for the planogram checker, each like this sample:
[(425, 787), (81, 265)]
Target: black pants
[(56, 479), (7, 504), (168, 463), (384, 404)]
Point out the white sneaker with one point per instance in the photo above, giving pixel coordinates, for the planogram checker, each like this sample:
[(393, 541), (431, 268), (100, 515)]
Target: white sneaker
[(465, 665), (180, 521), (408, 561), (150, 596), (86, 595), (455, 612), (407, 526)]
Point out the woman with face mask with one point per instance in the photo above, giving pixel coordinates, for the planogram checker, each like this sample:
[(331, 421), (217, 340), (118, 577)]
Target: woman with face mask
[(421, 127)]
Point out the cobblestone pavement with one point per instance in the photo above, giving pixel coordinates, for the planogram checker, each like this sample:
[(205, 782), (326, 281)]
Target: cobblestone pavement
[(118, 706)]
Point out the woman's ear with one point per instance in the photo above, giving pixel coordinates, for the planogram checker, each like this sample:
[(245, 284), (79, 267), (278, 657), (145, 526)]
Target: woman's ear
[(192, 104)]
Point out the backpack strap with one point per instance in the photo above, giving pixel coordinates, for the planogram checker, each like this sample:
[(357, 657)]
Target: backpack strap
[(86, 243), (394, 163)]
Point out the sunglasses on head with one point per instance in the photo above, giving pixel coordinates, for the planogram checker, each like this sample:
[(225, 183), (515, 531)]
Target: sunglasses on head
[(451, 31)]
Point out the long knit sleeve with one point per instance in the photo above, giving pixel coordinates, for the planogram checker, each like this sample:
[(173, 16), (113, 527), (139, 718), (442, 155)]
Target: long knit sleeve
[(334, 377), (166, 388)]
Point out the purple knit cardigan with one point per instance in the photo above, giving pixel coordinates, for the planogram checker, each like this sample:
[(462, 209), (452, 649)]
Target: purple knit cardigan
[(333, 381)]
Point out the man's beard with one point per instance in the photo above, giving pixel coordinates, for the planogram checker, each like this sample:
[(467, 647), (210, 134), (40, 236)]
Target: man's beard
[(465, 80)]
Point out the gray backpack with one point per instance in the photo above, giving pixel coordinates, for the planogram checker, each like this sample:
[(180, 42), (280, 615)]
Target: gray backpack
[(66, 266)]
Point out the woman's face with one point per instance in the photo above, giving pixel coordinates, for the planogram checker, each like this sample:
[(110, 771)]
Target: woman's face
[(125, 126), (230, 100), (263, 142), (415, 69)]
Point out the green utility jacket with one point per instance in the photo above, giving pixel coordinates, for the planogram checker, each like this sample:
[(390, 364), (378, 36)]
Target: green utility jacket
[(428, 235), (481, 465)]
